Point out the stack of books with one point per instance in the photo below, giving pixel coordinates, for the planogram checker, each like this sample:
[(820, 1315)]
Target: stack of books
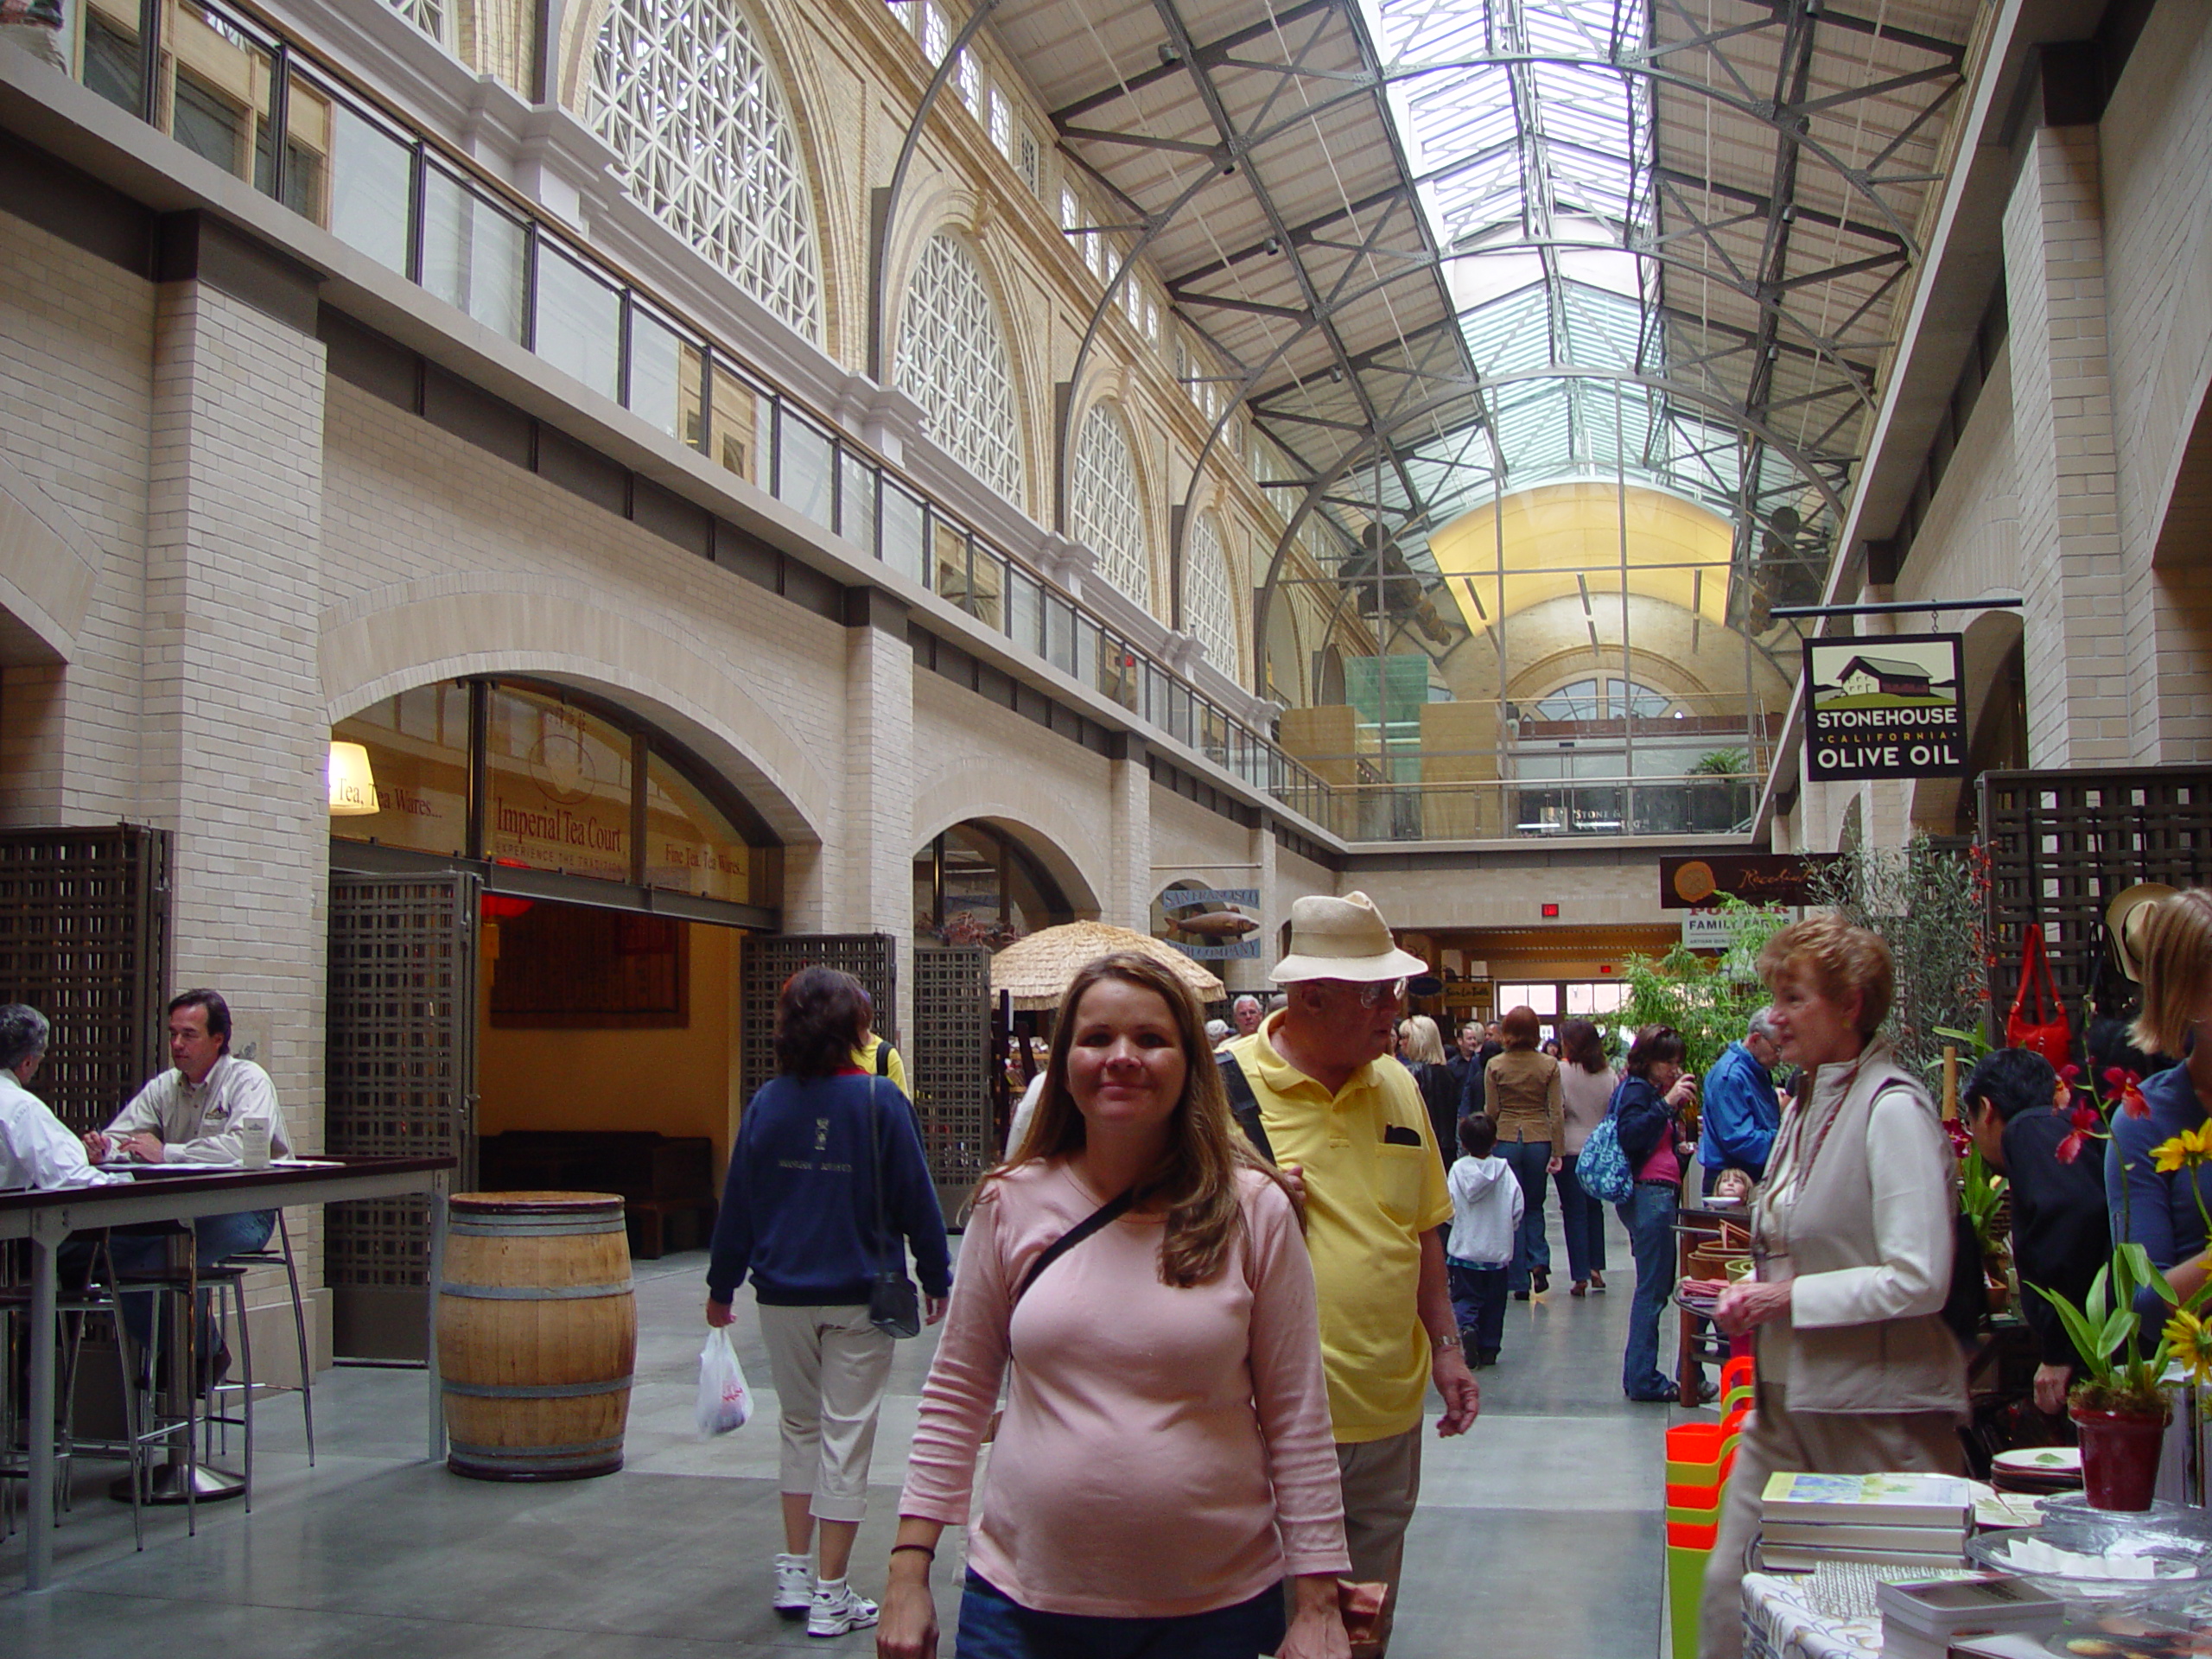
[(1992, 1613), (1903, 1520)]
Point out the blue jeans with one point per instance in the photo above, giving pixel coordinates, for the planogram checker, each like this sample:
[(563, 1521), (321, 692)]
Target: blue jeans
[(1530, 1161), (1648, 1215), (1479, 1303), (993, 1627), (1582, 1222), (215, 1238)]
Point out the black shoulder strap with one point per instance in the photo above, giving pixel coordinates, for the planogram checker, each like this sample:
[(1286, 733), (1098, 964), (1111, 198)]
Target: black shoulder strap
[(1104, 1215), (882, 1059), (1243, 1105)]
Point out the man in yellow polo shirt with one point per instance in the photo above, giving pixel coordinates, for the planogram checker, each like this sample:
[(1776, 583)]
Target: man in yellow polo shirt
[(1349, 1120)]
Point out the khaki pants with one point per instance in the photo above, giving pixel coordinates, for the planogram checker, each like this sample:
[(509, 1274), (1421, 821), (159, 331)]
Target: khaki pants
[(42, 42), (830, 1365), (1825, 1442), (1382, 1481)]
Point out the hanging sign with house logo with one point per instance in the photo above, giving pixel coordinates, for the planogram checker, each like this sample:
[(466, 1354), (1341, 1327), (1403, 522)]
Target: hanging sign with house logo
[(1886, 706)]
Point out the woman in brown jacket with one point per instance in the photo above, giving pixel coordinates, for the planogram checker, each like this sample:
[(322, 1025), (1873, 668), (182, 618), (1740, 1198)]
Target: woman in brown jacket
[(1520, 1095)]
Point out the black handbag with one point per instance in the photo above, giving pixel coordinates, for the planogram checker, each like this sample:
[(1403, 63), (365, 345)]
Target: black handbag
[(894, 1305)]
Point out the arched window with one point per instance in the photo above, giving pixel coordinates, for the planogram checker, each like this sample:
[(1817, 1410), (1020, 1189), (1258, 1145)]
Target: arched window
[(428, 15), (1209, 609), (681, 92), (952, 362), (1104, 512)]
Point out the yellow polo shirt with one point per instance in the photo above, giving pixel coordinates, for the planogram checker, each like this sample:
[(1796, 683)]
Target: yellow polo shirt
[(1367, 1205)]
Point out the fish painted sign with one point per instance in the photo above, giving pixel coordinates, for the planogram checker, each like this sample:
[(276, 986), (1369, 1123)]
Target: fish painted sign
[(1209, 923)]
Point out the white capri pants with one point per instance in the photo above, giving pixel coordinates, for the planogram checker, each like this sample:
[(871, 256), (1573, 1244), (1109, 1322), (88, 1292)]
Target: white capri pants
[(830, 1365)]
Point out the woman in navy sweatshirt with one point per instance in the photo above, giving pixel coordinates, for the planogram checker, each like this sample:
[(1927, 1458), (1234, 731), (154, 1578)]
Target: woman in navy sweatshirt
[(798, 1214)]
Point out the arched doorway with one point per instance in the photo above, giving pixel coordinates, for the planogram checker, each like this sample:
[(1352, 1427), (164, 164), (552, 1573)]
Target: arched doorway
[(538, 901)]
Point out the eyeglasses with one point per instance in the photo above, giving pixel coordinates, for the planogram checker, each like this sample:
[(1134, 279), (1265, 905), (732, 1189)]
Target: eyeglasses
[(1373, 992)]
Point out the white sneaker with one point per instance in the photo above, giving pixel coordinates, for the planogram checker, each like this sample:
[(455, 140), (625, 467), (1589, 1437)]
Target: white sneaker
[(794, 1585), (836, 1610)]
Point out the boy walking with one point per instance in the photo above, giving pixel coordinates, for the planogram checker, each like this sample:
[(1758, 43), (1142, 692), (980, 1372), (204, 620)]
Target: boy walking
[(1486, 1209)]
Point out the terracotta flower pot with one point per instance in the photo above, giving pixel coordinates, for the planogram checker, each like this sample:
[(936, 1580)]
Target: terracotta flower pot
[(2120, 1455)]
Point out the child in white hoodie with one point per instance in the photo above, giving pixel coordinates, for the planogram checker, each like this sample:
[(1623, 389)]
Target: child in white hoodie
[(1486, 1207)]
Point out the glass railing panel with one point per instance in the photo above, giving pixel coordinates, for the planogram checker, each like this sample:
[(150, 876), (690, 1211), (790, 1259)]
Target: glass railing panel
[(856, 500), (579, 321), (905, 527), (739, 409), (114, 67), (985, 600), (1025, 611), (473, 252), (806, 462), (372, 179), (661, 363), (947, 560)]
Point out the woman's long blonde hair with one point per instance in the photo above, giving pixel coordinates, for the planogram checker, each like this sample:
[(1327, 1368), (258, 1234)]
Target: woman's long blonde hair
[(2177, 971), (1423, 1041), (1197, 1180)]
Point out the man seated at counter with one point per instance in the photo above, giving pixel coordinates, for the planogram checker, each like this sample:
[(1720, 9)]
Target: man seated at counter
[(35, 1150), (194, 1114)]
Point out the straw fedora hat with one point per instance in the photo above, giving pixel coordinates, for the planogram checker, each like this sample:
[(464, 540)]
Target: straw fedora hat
[(2125, 919), (1341, 938)]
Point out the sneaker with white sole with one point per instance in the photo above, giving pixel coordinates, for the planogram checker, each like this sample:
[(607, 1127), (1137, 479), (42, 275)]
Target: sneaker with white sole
[(836, 1610), (794, 1586)]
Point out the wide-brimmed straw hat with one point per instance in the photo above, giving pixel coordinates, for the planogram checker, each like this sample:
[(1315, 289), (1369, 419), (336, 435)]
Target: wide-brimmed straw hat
[(2126, 918), (1341, 938)]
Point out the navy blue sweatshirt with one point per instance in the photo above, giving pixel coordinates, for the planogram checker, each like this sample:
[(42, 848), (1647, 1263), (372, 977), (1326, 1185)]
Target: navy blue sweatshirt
[(798, 1206)]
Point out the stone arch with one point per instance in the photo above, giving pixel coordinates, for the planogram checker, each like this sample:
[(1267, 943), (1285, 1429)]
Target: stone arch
[(804, 98), (1050, 831), (955, 213), (399, 638), (49, 565), (1989, 668)]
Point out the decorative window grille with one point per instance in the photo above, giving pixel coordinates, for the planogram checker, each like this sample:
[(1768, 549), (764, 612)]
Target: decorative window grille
[(1208, 612), (935, 36), (971, 83), (1029, 163), (428, 15), (1152, 321), (1103, 506), (681, 92), (1002, 125), (952, 362)]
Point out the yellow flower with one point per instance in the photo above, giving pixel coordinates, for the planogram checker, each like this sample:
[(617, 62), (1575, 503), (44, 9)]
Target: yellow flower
[(2190, 1146), (2189, 1341)]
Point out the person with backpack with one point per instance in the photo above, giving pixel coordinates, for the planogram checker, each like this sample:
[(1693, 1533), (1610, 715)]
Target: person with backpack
[(1647, 1114), (1135, 1275)]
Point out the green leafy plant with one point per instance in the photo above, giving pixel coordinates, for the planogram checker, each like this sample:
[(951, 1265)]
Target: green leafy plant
[(1708, 1001), (2117, 1375), (1931, 905)]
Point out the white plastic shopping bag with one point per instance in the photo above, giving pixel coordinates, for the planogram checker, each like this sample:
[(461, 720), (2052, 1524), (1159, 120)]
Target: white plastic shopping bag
[(725, 1402)]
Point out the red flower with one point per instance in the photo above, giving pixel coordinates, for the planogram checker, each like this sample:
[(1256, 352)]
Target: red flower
[(2126, 1093), (2086, 1123), (1962, 1137)]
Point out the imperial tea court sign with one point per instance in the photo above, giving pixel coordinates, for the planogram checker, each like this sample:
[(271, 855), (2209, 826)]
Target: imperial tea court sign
[(1886, 706)]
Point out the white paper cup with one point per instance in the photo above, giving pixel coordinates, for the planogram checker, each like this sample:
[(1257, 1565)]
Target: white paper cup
[(253, 1145)]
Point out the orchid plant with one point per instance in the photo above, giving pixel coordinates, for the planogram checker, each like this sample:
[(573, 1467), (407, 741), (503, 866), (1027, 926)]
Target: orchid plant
[(2105, 1328)]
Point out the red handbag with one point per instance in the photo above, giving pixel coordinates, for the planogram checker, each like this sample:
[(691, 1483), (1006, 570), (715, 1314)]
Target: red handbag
[(2038, 1018)]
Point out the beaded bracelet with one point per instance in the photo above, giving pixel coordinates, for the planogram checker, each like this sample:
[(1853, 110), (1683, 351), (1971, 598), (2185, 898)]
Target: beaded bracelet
[(923, 1549)]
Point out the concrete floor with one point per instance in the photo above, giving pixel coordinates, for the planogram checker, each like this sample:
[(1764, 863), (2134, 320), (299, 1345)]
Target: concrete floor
[(1538, 1537)]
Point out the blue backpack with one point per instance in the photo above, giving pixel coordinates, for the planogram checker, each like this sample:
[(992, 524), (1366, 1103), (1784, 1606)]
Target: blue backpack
[(1601, 1167)]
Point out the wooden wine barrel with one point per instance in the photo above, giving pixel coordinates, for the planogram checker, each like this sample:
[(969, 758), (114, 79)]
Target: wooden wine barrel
[(537, 1335)]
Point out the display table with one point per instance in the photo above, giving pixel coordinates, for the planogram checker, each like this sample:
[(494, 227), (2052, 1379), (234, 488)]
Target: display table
[(162, 1193)]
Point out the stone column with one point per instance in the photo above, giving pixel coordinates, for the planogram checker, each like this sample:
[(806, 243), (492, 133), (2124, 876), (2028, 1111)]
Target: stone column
[(232, 736), (1251, 974), (234, 739), (875, 855), (2075, 615), (1127, 901)]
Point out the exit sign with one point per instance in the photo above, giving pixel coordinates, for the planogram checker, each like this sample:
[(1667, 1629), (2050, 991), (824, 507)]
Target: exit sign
[(1550, 911)]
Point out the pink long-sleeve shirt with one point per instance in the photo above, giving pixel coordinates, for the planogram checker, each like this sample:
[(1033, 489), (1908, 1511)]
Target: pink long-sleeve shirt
[(1163, 1451)]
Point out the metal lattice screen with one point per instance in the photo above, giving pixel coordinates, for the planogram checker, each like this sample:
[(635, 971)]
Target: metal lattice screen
[(401, 1083), (2061, 845), (948, 1064), (872, 959), (84, 939)]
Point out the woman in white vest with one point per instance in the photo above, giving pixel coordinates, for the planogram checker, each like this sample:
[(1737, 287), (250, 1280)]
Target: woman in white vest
[(1856, 1372)]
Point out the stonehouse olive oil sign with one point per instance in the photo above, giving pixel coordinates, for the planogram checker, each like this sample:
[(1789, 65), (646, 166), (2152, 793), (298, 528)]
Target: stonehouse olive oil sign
[(1890, 707)]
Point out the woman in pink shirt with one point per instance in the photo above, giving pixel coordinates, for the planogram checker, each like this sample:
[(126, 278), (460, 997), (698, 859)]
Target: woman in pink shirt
[(1165, 1461)]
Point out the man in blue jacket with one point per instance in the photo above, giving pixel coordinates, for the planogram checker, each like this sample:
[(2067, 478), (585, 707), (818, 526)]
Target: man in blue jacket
[(1741, 1111)]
